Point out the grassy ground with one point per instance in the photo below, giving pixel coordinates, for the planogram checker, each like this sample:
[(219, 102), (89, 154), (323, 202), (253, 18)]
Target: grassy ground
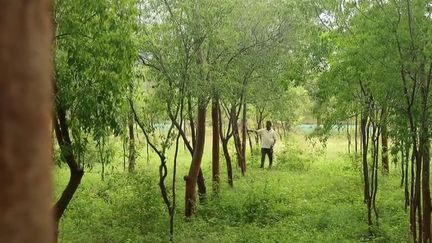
[(310, 195)]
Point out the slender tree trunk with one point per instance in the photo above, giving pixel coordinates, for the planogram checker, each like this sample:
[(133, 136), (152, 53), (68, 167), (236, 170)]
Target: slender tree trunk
[(425, 154), (147, 154), (194, 171), (215, 145), (356, 134), (402, 164), (103, 166), (76, 171), (25, 116), (364, 134), (243, 144), (426, 192), (191, 121), (384, 149), (250, 143), (348, 137), (124, 152), (224, 141), (259, 124), (374, 176), (407, 194), (417, 207), (173, 187), (131, 144), (413, 207), (228, 162), (236, 135)]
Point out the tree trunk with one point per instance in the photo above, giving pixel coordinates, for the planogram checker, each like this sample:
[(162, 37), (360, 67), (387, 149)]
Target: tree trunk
[(356, 135), (243, 143), (236, 135), (224, 140), (215, 147), (194, 171), (365, 138), (76, 171), (202, 189), (250, 143), (259, 118), (131, 144), (426, 191), (25, 116), (348, 137), (124, 144), (406, 159), (425, 155), (228, 162), (191, 121), (384, 149)]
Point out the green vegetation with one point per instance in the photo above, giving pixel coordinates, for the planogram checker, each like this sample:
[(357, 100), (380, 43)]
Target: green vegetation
[(156, 102), (310, 195), (156, 115)]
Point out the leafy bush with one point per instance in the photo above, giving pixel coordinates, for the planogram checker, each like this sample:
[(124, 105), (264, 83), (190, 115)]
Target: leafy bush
[(292, 158), (124, 209)]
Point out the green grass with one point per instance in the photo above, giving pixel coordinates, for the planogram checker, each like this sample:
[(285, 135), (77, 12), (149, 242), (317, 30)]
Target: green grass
[(310, 195)]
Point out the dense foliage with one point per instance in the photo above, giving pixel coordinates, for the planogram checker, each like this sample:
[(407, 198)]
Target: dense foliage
[(136, 80)]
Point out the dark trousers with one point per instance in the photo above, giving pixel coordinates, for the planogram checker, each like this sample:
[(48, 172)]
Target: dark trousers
[(264, 152)]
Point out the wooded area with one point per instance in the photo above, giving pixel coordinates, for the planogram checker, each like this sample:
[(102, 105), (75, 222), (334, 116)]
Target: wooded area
[(136, 107)]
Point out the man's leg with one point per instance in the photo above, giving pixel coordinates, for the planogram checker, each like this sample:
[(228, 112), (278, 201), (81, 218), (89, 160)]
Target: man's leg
[(270, 155), (263, 154)]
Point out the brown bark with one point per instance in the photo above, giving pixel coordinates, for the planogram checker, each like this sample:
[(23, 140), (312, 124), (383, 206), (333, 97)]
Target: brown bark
[(425, 155), (191, 121), (224, 140), (76, 171), (426, 193), (236, 135), (131, 158), (191, 178), (202, 189), (228, 162), (367, 190), (215, 146), (364, 134), (25, 117)]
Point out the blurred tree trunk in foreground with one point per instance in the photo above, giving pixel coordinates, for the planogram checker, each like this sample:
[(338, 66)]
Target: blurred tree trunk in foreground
[(25, 116)]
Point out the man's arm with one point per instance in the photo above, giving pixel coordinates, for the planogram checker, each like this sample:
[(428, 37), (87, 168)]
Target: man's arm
[(255, 131)]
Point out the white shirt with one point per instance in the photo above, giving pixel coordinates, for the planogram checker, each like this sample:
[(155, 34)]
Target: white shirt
[(268, 138)]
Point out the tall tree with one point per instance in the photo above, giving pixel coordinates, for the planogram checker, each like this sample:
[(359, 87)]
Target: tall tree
[(94, 57)]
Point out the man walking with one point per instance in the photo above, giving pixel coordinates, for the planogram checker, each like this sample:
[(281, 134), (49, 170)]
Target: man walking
[(268, 140)]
